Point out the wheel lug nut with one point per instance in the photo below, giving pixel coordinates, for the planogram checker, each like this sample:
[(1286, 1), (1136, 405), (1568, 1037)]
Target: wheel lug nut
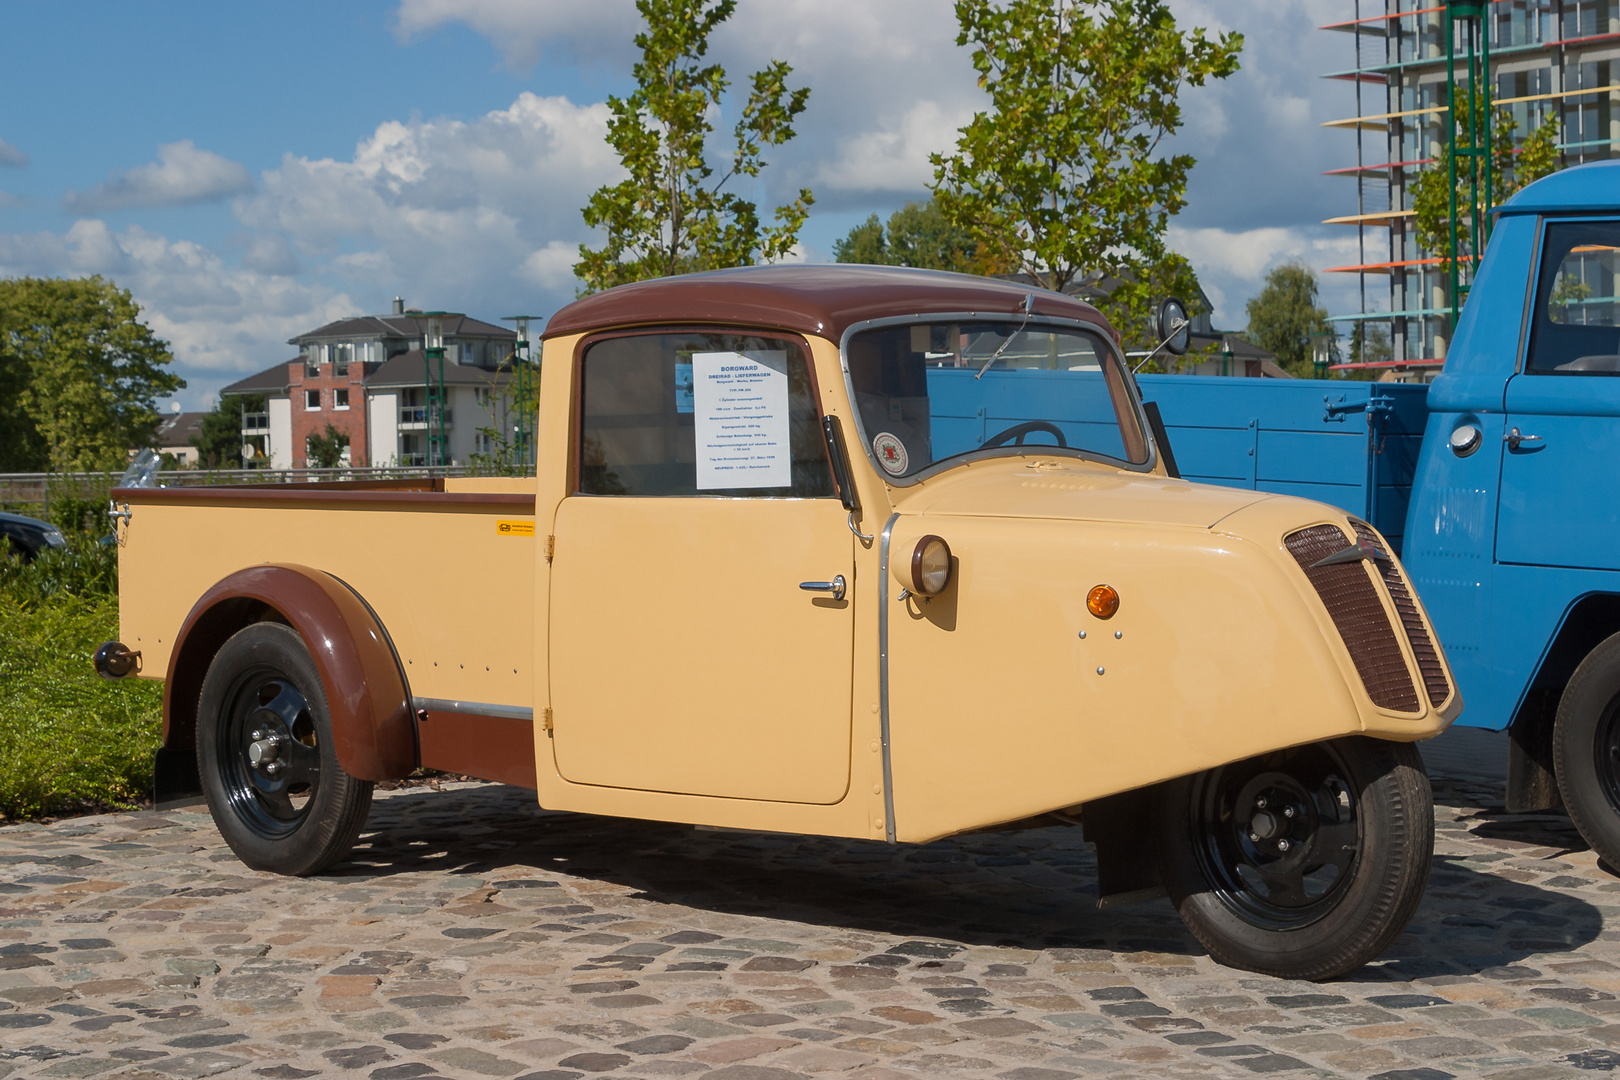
[(1282, 845), (255, 735), (275, 766), (1260, 802), (1288, 811), (1255, 837)]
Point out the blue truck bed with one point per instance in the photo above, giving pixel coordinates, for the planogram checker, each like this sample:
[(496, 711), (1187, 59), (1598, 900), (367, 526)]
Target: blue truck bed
[(1351, 444)]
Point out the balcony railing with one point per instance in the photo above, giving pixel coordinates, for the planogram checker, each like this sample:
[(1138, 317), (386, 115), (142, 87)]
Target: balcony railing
[(417, 417)]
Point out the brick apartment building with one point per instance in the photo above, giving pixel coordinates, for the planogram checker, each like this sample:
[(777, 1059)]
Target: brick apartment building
[(365, 377)]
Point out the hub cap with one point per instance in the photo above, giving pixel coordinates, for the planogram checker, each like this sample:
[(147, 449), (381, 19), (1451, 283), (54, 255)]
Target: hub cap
[(1278, 837), (271, 760)]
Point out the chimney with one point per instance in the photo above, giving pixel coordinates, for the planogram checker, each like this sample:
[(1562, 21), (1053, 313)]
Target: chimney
[(399, 306)]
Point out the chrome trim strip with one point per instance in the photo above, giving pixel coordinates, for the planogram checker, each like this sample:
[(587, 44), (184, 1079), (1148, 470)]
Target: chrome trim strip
[(1133, 391), (883, 676), (479, 708)]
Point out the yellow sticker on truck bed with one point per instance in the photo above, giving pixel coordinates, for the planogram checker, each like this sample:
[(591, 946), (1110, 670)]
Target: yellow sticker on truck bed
[(515, 528)]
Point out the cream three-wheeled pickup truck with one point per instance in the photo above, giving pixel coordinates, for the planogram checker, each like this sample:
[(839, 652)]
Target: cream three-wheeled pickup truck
[(846, 551)]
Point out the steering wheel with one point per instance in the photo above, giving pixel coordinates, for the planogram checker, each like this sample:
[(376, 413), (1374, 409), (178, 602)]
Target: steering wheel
[(1018, 431)]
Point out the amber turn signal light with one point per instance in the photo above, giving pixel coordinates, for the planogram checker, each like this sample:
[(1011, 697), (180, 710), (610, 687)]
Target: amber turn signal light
[(1102, 601)]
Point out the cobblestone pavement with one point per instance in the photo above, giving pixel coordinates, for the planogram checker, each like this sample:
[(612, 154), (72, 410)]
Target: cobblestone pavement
[(477, 936)]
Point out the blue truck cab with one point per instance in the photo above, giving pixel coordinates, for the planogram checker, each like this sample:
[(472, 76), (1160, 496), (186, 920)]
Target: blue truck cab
[(1513, 533)]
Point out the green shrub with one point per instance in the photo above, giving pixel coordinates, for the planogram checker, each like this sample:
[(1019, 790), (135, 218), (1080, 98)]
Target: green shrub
[(73, 514), (68, 740), (86, 567)]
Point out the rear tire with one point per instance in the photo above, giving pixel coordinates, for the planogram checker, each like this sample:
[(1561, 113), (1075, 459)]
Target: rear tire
[(1303, 863), (1586, 749), (266, 758)]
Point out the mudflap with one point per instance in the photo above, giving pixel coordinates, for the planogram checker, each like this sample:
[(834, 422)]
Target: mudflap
[(1126, 832), (175, 782)]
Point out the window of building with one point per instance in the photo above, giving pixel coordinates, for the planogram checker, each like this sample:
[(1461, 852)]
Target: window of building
[(645, 398), (342, 354), (312, 400), (340, 399), (312, 361), (483, 395)]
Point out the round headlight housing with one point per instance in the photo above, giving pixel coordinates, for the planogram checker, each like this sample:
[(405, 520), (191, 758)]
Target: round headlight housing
[(930, 566)]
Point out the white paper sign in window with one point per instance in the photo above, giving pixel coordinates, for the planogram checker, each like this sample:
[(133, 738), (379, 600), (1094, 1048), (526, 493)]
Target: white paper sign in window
[(741, 420)]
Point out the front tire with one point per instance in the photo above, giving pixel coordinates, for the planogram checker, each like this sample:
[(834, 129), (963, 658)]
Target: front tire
[(1586, 749), (267, 760), (1303, 863)]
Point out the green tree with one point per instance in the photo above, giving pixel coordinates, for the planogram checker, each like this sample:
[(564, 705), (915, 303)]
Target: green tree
[(1286, 319), (1537, 156), (219, 440), (325, 451), (918, 234), (670, 215), (82, 375), (1064, 174), (1369, 344)]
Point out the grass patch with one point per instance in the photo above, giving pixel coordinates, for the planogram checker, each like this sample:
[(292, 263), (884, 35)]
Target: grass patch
[(69, 741)]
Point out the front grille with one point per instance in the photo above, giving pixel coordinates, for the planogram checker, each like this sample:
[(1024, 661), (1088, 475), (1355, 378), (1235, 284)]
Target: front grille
[(1358, 613), (1433, 671)]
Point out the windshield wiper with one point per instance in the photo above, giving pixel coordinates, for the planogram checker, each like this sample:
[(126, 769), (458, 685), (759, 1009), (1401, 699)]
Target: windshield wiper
[(1029, 306)]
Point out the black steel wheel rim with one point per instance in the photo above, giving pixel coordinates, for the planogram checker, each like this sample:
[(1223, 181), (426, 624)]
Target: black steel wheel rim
[(269, 755), (1606, 752), (1278, 837)]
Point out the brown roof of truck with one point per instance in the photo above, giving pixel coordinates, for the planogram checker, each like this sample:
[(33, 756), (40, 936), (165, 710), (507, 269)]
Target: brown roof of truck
[(824, 300)]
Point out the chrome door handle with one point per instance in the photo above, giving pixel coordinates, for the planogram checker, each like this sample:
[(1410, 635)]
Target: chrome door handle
[(1515, 438), (837, 586)]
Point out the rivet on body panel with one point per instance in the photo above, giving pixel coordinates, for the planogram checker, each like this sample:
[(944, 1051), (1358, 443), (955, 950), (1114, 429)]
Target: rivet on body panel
[(878, 824), (1118, 634), (876, 746), (1082, 635), (1099, 671), (877, 789)]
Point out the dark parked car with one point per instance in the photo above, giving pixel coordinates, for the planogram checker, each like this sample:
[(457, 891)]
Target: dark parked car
[(27, 536)]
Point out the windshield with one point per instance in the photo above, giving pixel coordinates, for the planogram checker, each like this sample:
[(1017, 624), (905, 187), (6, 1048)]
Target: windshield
[(928, 392)]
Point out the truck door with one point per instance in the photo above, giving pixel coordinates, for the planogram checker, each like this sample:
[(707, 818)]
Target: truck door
[(1560, 501), (685, 656)]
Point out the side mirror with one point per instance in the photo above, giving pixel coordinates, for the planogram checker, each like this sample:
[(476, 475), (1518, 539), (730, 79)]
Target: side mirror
[(1175, 330)]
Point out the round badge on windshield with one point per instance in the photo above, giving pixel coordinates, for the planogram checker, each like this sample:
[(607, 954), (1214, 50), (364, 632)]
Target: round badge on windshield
[(891, 453)]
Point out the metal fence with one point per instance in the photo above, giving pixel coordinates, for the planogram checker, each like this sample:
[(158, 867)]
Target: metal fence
[(32, 493)]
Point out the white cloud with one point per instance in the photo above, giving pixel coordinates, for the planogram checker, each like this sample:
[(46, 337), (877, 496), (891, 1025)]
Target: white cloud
[(447, 212), (522, 29), (1232, 264), (11, 157), (222, 322), (895, 158), (182, 176)]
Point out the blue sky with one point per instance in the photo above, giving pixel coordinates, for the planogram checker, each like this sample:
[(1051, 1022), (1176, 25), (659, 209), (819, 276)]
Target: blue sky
[(252, 171)]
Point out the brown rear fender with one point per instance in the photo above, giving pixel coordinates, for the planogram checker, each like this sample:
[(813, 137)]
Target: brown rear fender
[(372, 726)]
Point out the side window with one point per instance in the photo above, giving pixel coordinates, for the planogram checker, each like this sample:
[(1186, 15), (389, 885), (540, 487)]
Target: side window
[(1575, 328), (675, 414)]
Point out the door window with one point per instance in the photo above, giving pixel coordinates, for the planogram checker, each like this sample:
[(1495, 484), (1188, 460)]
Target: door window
[(1576, 327), (672, 414)]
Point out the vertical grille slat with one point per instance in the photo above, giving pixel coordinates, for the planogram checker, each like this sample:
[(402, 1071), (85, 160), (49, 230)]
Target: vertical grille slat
[(1353, 603), (1435, 683)]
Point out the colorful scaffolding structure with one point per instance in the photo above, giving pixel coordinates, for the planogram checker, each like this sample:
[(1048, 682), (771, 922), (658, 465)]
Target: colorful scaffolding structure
[(1534, 57)]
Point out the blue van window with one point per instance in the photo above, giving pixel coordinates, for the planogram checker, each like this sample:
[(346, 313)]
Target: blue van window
[(1576, 325)]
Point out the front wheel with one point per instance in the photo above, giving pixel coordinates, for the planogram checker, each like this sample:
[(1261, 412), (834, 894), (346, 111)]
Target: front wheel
[(1586, 749), (266, 758), (1303, 863)]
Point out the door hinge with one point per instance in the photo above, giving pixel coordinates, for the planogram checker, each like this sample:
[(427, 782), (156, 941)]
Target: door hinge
[(545, 720), (551, 546)]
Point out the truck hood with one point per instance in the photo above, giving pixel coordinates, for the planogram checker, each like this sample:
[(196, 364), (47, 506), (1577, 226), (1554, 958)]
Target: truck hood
[(1071, 489)]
